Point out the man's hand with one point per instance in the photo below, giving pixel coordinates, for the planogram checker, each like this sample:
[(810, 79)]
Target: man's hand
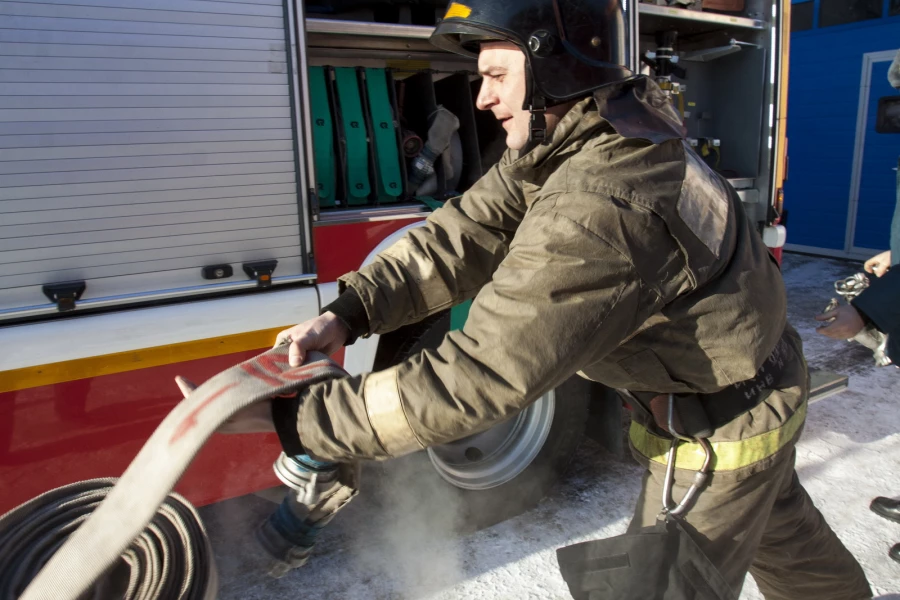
[(879, 264), (326, 334), (256, 418), (845, 323)]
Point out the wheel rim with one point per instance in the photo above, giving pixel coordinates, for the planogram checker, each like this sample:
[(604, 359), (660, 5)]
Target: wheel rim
[(493, 457)]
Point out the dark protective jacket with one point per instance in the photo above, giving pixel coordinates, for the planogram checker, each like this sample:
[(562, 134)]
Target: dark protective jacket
[(614, 251)]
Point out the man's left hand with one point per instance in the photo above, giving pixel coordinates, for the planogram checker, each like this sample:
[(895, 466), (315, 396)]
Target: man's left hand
[(845, 322)]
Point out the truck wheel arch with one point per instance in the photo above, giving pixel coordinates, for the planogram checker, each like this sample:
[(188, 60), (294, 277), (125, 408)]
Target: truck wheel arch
[(361, 356)]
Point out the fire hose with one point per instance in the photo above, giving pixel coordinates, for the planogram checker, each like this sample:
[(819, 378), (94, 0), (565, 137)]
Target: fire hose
[(74, 537)]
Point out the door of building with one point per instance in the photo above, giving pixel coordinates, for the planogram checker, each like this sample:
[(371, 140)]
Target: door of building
[(873, 185)]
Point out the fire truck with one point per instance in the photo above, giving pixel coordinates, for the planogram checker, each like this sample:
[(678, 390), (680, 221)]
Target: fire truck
[(182, 179)]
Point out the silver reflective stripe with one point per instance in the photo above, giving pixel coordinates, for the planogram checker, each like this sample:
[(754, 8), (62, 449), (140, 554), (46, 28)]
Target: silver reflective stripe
[(703, 204), (386, 415)]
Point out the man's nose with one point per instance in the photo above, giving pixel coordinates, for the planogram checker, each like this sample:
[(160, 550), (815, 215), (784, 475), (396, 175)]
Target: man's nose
[(486, 96)]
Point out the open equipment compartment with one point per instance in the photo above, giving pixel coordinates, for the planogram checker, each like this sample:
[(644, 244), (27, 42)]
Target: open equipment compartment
[(729, 100), (420, 79), (724, 78), (453, 92)]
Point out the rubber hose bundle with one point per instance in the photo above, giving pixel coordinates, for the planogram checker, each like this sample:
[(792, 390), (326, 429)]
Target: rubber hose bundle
[(131, 538), (171, 558)]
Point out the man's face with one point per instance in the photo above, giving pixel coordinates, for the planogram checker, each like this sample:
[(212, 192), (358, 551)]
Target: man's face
[(502, 66)]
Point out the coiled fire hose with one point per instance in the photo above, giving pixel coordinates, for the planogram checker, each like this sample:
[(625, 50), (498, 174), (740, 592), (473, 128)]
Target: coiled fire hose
[(171, 558), (74, 536)]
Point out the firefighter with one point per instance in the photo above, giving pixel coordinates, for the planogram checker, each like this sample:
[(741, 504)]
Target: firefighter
[(599, 245)]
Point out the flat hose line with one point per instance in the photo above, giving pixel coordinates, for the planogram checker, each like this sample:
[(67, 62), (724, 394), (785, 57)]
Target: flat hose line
[(130, 538)]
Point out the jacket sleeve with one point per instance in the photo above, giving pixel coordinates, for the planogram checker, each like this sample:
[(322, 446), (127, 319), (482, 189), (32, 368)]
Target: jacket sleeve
[(445, 262), (561, 299), (880, 302)]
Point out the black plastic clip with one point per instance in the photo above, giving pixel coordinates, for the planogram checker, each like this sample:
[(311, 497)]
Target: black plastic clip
[(261, 271), (217, 272), (65, 294)]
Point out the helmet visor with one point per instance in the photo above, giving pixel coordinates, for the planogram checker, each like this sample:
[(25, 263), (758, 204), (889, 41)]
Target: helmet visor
[(464, 38)]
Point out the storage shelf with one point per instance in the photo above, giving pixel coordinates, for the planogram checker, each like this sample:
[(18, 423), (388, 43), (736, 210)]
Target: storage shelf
[(361, 214), (365, 28), (743, 183), (699, 17), (422, 32)]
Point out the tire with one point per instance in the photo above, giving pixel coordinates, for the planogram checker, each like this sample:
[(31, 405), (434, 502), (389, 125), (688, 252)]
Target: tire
[(500, 473)]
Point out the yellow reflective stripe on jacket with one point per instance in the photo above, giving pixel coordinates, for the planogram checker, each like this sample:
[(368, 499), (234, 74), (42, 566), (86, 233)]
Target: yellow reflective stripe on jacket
[(728, 455), (386, 415)]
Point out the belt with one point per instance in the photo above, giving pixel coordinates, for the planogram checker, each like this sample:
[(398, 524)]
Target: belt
[(699, 415)]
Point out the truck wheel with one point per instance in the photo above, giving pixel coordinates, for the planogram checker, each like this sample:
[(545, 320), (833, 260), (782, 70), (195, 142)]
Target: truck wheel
[(507, 469)]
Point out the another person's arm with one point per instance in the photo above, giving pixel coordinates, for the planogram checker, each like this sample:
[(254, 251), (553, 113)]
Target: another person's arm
[(879, 304), (894, 72), (879, 264)]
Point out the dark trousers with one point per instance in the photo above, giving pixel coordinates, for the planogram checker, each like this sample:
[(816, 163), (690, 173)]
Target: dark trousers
[(766, 524)]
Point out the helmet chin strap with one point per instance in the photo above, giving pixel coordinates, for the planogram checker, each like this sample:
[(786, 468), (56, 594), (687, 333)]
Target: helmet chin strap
[(537, 133), (537, 130)]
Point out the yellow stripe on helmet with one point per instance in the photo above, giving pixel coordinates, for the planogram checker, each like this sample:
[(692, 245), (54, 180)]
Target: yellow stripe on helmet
[(457, 10)]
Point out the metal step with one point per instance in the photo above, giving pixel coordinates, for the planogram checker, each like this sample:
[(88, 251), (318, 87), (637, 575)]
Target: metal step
[(825, 383)]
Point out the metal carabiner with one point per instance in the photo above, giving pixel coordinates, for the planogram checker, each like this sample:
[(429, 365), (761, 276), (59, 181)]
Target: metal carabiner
[(700, 476)]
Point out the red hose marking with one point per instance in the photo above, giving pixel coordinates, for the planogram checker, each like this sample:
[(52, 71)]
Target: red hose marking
[(307, 371), (190, 421), (254, 371), (273, 364)]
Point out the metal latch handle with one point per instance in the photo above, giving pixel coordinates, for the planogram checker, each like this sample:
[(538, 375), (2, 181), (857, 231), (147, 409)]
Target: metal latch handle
[(65, 294), (261, 271)]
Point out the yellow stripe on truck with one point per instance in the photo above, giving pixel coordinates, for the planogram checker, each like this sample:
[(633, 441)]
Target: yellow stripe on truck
[(121, 362), (728, 455)]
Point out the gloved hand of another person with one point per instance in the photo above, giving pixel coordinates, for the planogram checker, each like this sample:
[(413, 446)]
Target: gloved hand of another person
[(879, 264), (326, 334), (843, 322)]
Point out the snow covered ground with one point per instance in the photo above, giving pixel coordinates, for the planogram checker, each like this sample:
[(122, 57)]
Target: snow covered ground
[(850, 453)]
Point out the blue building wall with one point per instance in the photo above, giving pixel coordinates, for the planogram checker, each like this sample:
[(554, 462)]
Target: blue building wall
[(823, 101)]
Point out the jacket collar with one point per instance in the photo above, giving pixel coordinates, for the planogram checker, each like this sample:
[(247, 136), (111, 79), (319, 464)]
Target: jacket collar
[(636, 108)]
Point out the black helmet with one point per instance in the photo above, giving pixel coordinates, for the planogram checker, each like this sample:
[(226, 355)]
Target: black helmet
[(572, 47)]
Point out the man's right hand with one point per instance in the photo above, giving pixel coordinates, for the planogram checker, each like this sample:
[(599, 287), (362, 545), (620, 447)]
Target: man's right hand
[(879, 264), (326, 334)]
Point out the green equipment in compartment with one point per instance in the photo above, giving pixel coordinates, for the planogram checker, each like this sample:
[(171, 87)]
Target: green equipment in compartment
[(323, 136), (354, 129), (387, 154)]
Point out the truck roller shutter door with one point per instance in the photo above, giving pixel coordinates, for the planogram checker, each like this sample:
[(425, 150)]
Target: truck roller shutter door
[(141, 141)]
